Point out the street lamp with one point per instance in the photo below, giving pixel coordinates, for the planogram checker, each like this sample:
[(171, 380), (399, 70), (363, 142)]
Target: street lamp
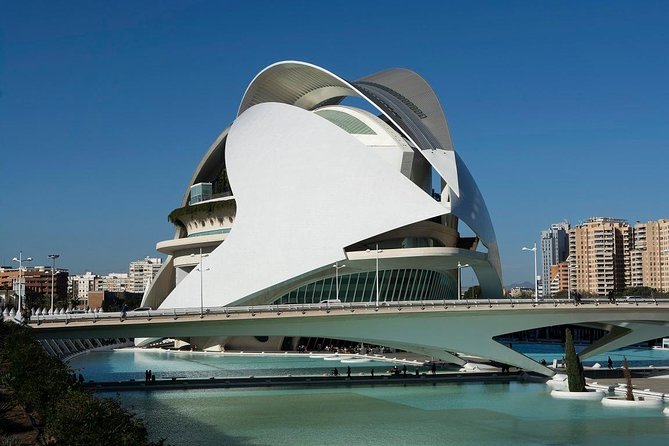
[(53, 257), (460, 278), (536, 288), (377, 272), (22, 286), (337, 267)]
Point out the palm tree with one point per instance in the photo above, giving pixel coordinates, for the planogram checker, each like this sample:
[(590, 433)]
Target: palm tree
[(629, 396)]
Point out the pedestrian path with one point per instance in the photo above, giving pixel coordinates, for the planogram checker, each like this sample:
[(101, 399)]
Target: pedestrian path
[(309, 381)]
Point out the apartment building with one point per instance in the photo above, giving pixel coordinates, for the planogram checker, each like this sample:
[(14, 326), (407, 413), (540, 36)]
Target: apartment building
[(142, 273), (649, 260), (82, 284), (36, 280), (637, 255), (600, 255), (116, 282), (554, 249), (559, 278)]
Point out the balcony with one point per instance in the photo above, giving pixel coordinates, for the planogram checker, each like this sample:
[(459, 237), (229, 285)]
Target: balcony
[(205, 217)]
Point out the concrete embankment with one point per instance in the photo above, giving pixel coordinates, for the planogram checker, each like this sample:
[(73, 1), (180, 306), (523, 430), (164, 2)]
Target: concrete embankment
[(617, 373), (308, 381)]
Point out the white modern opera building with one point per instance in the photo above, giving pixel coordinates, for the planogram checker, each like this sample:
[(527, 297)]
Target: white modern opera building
[(320, 178)]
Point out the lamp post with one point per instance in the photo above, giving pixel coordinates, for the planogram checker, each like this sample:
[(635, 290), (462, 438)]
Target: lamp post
[(460, 278), (536, 288), (377, 272), (53, 257), (337, 268), (22, 286)]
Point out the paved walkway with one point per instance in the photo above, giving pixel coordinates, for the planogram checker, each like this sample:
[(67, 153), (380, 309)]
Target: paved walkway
[(309, 381), (659, 385)]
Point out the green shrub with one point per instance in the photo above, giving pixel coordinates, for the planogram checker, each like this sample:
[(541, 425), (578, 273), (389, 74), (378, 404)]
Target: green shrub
[(36, 378), (80, 419), (70, 414)]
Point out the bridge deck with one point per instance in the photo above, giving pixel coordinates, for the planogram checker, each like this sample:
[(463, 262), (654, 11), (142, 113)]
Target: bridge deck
[(322, 309), (433, 328)]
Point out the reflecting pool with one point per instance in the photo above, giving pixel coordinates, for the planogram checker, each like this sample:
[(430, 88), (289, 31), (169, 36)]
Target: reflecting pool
[(126, 364), (636, 356), (457, 414), (445, 414)]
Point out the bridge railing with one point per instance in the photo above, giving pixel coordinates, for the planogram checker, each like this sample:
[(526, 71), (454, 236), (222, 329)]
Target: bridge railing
[(329, 307)]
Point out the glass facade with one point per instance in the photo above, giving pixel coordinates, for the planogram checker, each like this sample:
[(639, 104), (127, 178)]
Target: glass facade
[(394, 285), (346, 121), (200, 192)]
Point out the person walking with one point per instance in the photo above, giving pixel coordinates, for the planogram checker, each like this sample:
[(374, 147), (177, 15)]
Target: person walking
[(348, 371), (610, 363)]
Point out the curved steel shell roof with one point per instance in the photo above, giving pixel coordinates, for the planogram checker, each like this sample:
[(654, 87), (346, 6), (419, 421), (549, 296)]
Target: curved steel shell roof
[(405, 99)]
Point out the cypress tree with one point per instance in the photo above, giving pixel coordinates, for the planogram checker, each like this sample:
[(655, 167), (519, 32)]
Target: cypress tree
[(575, 375)]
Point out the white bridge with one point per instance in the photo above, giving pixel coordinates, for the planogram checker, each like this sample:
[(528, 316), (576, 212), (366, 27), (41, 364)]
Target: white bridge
[(435, 328)]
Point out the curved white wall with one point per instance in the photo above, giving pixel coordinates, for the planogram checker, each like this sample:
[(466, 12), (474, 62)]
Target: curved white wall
[(287, 180), (305, 190)]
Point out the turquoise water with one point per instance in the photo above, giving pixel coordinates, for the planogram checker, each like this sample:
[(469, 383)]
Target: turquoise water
[(443, 414), (636, 357), (123, 365), (449, 414)]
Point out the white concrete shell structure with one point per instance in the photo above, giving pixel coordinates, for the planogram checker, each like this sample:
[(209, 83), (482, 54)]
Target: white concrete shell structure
[(319, 184), (302, 183)]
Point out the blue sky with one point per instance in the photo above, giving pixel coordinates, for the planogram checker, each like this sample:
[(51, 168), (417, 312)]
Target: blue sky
[(559, 109)]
